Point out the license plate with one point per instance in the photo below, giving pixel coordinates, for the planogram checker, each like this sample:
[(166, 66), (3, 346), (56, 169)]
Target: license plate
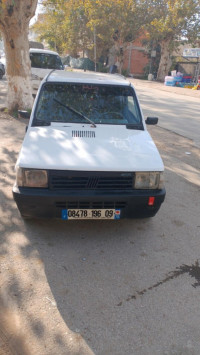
[(91, 214)]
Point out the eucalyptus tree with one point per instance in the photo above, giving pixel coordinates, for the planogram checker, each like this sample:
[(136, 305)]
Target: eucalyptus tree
[(14, 26)]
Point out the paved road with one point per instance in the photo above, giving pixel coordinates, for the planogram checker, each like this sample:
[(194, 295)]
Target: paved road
[(114, 288), (178, 109)]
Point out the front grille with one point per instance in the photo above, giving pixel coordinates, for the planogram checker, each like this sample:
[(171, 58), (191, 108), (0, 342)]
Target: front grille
[(91, 205), (65, 180)]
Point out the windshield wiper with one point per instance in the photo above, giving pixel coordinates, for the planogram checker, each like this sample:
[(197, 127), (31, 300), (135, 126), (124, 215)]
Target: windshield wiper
[(76, 112), (37, 122)]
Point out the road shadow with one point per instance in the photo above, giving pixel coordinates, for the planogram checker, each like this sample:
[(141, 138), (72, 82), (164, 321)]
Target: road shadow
[(65, 280), (64, 265), (88, 265)]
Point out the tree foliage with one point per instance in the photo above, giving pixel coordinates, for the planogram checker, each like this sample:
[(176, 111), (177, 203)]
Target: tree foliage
[(74, 23), (171, 22), (69, 25)]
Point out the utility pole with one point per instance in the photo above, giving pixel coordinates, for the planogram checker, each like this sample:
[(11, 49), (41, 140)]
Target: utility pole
[(129, 58), (95, 50)]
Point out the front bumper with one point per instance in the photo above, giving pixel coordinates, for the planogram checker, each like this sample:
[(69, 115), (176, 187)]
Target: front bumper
[(40, 203)]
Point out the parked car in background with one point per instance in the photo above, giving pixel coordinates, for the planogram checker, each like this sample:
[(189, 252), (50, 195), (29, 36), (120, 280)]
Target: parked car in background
[(87, 153), (2, 70), (42, 62)]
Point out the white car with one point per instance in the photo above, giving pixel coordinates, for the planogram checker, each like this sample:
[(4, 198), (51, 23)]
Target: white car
[(87, 153), (42, 62), (2, 70)]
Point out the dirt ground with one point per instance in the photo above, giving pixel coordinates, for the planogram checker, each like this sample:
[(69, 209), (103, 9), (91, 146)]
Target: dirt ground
[(177, 152)]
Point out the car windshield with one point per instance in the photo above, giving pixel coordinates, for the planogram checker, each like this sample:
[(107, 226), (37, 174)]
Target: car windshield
[(45, 61), (83, 103)]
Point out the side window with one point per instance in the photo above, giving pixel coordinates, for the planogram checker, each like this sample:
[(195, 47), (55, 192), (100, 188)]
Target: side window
[(45, 61), (133, 110), (59, 64), (131, 105), (35, 61)]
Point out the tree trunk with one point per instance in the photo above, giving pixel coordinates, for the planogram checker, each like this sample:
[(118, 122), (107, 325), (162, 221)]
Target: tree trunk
[(14, 24), (165, 61), (18, 70)]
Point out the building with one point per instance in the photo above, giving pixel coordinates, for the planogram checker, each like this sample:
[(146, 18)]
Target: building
[(136, 58)]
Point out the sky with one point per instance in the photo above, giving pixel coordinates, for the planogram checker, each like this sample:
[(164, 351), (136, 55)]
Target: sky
[(38, 9)]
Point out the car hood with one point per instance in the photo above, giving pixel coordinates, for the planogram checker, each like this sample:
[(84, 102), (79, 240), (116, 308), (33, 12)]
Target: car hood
[(82, 147)]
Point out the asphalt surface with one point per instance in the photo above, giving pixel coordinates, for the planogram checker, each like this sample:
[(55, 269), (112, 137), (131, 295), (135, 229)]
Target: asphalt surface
[(177, 108), (128, 287)]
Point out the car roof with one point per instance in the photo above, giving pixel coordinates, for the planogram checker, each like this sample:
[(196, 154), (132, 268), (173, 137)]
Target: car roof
[(87, 77), (38, 50)]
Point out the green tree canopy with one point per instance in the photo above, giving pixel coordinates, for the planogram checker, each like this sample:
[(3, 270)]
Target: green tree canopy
[(171, 21), (69, 25)]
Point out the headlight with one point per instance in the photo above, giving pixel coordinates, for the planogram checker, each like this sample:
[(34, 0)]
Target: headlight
[(32, 177), (149, 180)]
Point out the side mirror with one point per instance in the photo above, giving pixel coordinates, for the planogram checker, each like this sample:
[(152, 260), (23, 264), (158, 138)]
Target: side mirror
[(24, 114), (151, 120)]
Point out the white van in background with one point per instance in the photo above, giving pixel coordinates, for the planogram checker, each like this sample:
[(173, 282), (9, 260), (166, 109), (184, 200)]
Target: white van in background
[(42, 62)]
